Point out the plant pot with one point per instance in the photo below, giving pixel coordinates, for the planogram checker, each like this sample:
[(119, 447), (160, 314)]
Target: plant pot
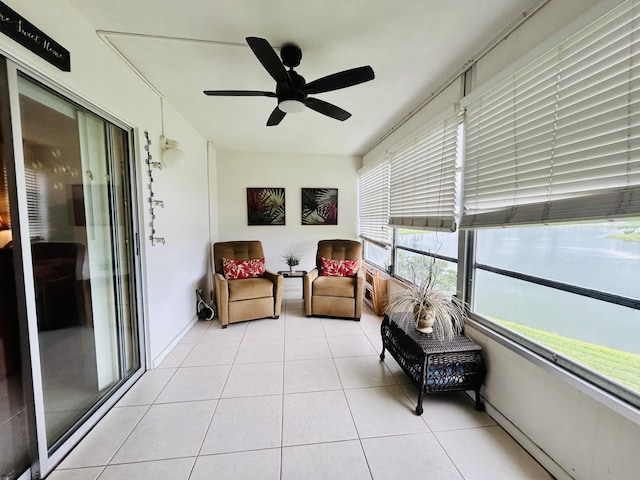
[(425, 318)]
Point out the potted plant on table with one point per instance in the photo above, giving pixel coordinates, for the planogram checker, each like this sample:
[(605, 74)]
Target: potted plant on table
[(292, 258), (429, 306)]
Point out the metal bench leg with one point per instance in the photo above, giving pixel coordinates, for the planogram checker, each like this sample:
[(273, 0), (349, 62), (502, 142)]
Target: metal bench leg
[(479, 402), (419, 405)]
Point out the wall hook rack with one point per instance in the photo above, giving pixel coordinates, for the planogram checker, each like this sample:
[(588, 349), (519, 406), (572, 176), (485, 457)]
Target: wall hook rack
[(153, 203)]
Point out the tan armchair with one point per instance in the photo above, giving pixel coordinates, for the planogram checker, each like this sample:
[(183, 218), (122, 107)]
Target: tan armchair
[(247, 298), (335, 296)]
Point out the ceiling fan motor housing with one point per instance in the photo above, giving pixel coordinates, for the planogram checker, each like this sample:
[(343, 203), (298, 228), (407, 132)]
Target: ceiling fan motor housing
[(291, 55), (292, 91)]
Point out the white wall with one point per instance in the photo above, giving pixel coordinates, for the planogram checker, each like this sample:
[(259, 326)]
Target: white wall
[(177, 268), (100, 77), (239, 170), (560, 416), (214, 219), (570, 427)]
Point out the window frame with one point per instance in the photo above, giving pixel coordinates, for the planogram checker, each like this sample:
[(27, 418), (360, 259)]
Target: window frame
[(525, 346), (466, 279), (619, 202), (416, 251)]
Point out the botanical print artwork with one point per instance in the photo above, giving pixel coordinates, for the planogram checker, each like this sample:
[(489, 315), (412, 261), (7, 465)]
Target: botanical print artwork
[(265, 206), (319, 206)]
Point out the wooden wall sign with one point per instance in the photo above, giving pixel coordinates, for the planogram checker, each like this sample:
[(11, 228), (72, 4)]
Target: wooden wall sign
[(31, 37)]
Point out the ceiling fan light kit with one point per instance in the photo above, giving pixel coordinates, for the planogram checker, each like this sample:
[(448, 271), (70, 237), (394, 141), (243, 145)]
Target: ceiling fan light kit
[(291, 106), (291, 88)]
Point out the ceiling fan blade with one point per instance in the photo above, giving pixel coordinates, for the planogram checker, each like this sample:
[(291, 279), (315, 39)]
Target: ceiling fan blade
[(238, 93), (346, 78), (276, 117), (327, 109), (269, 59)]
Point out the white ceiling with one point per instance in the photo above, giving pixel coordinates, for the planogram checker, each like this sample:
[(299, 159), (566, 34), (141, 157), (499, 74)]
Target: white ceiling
[(184, 47)]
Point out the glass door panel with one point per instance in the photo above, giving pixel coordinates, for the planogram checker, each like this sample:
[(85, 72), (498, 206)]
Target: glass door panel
[(97, 228), (121, 181), (82, 254), (15, 453)]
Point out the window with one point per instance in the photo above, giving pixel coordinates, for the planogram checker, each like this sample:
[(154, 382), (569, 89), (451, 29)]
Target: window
[(424, 177), (374, 203), (552, 153), (416, 249), (415, 185), (559, 140), (377, 255), (572, 289), (374, 213)]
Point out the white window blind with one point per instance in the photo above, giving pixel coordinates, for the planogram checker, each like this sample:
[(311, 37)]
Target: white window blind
[(424, 177), (374, 202), (560, 139)]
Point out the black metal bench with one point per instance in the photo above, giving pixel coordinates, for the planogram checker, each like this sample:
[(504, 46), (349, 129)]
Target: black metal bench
[(434, 364)]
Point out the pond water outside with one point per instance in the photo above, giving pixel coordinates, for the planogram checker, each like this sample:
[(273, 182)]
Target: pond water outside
[(585, 255)]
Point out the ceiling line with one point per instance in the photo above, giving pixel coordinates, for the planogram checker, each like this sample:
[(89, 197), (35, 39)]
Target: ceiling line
[(103, 35), (166, 37)]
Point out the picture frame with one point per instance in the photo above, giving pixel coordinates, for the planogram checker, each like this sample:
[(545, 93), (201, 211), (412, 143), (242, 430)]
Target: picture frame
[(266, 206), (319, 206)]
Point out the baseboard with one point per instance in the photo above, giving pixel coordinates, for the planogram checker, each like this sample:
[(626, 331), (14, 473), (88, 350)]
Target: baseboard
[(529, 445), (157, 360)]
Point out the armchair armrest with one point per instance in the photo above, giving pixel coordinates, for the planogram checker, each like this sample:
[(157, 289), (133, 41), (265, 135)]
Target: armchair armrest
[(278, 281), (274, 277), (222, 298), (359, 291), (306, 289)]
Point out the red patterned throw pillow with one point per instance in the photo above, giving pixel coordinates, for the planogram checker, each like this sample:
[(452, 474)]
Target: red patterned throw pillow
[(338, 268), (238, 269)]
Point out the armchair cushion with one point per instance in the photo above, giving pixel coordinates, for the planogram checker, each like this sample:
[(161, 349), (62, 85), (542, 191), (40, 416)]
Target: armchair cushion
[(248, 288), (334, 287), (239, 269), (338, 268)]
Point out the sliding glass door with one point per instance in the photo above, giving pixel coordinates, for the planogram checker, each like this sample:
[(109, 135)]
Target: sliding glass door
[(73, 255), (16, 438)]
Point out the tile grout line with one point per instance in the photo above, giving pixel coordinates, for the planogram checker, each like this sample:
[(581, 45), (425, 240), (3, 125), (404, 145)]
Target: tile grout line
[(326, 327)]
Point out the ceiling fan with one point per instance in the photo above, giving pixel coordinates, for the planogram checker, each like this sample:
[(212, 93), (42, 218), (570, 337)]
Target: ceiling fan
[(292, 91)]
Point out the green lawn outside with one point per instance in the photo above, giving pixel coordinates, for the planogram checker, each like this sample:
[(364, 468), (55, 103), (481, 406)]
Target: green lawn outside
[(627, 237), (622, 367)]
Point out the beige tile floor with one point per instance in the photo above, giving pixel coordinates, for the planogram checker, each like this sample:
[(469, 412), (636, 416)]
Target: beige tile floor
[(291, 399)]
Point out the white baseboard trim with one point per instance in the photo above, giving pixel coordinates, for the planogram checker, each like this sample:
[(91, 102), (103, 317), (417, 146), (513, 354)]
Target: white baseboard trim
[(529, 445), (157, 360)]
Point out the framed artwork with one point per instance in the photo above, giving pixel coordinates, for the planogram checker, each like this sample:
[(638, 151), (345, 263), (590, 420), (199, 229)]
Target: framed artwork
[(319, 206), (265, 206)]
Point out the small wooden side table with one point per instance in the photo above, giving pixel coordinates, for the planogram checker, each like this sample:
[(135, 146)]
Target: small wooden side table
[(434, 364), (293, 274)]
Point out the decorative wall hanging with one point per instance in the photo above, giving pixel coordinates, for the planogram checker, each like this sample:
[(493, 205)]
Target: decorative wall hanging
[(153, 202), (18, 28), (319, 206), (265, 206)]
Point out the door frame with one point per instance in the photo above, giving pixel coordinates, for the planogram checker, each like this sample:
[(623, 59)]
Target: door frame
[(43, 460)]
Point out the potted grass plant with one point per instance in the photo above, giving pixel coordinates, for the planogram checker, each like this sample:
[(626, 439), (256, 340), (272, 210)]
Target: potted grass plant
[(292, 259), (432, 309)]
